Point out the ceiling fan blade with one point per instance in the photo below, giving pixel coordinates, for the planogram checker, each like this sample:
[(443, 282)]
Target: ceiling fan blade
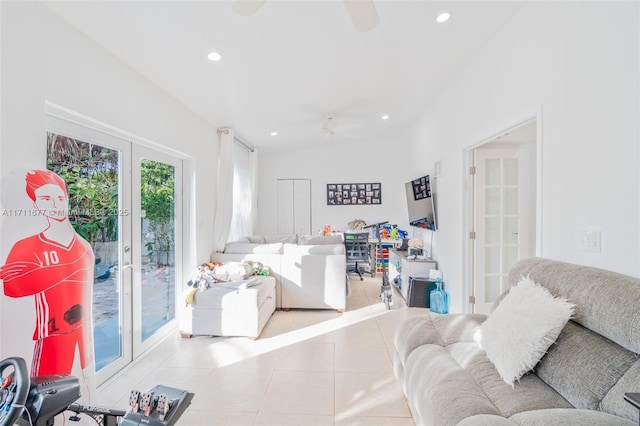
[(363, 14), (247, 7)]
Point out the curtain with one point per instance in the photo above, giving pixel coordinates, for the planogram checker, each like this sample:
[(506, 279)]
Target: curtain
[(224, 202), (244, 176)]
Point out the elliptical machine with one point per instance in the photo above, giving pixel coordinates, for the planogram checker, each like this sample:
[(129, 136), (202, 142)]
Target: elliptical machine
[(386, 292), (35, 401)]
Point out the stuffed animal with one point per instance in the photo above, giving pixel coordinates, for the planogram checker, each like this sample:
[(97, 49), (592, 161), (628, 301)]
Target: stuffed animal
[(356, 225), (203, 278)]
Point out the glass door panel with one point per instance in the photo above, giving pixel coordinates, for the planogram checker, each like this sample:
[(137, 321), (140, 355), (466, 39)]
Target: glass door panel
[(497, 222), (157, 198), (98, 212), (157, 179)]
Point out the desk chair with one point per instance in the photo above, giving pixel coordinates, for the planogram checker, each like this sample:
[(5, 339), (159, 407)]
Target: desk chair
[(357, 251)]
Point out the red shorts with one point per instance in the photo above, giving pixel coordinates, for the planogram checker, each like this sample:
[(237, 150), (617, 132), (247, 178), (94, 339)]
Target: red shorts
[(55, 354)]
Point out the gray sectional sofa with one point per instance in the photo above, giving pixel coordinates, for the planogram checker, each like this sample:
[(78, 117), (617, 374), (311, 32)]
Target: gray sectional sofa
[(581, 380), (309, 270)]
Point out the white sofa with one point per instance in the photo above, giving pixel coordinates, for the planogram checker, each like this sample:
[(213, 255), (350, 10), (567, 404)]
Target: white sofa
[(310, 271)]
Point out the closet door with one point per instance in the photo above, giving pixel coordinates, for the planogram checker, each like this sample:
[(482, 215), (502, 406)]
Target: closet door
[(285, 206), (302, 206), (294, 206)]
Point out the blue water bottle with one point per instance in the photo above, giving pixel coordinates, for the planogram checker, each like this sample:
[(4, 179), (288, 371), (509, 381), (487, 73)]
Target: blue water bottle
[(439, 299)]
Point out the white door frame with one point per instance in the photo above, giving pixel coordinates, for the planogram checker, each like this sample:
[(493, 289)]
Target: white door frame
[(69, 122), (469, 200)]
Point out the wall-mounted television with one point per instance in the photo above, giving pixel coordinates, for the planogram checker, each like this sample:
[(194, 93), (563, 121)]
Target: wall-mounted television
[(421, 203)]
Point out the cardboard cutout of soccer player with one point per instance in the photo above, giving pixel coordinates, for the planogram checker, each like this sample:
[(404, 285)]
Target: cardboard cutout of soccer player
[(56, 267)]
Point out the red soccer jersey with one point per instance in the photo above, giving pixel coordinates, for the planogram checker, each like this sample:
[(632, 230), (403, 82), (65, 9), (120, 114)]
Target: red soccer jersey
[(59, 276)]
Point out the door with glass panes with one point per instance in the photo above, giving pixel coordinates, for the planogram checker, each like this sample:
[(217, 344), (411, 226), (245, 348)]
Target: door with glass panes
[(125, 201), (503, 215)]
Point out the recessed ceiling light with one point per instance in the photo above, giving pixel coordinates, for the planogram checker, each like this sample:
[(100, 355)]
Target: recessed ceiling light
[(443, 17), (274, 133), (214, 56), (385, 117)]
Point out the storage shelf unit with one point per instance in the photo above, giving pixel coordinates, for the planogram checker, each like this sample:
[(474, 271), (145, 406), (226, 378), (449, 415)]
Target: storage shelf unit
[(401, 268)]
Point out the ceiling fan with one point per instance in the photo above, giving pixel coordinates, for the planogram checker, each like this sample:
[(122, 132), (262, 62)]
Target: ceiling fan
[(330, 128), (363, 13)]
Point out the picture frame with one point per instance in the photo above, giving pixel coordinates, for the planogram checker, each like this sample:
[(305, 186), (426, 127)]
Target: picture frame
[(346, 194), (421, 188)]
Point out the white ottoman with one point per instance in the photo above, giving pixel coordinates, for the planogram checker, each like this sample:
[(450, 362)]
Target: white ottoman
[(227, 311)]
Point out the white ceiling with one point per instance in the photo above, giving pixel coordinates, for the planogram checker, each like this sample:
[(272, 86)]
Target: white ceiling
[(292, 63)]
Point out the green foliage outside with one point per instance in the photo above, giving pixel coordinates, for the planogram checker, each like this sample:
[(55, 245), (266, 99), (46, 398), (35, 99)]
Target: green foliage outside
[(91, 174), (158, 203)]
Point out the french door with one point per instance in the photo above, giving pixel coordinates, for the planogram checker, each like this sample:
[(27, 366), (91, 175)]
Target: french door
[(126, 201), (503, 220), (156, 179)]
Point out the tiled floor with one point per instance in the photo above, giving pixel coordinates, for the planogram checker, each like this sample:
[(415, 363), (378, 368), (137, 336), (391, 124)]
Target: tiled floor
[(308, 368)]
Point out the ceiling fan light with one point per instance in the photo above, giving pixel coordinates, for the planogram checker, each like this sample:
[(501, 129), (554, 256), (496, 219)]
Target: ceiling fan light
[(443, 17), (214, 56)]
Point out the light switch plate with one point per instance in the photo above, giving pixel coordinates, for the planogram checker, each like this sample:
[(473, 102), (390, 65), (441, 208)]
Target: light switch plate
[(591, 240)]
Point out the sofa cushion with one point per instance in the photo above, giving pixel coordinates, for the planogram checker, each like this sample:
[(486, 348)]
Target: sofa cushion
[(440, 391), (434, 329), (583, 366), (319, 239), (521, 329), (279, 238), (275, 248), (302, 250), (530, 393), (568, 417), (594, 291), (221, 297), (614, 402)]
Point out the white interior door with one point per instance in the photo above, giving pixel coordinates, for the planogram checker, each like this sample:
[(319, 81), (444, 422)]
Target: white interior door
[(294, 206), (285, 206), (302, 206), (503, 219)]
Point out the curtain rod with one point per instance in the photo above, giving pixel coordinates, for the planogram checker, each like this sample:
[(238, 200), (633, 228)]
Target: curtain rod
[(244, 144), (237, 140)]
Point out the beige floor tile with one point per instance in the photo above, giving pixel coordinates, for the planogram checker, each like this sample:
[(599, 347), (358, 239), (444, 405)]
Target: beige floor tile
[(373, 421), (120, 386), (309, 367), (312, 317), (278, 324), (362, 333), (232, 389), (180, 378), (209, 418), (362, 359), (369, 395), (300, 392), (307, 356), (273, 419)]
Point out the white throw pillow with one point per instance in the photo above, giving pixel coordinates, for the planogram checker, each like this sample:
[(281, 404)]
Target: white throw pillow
[(517, 334)]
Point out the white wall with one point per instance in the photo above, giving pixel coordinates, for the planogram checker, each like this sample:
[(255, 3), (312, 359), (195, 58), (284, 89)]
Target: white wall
[(44, 59), (340, 162), (576, 64)]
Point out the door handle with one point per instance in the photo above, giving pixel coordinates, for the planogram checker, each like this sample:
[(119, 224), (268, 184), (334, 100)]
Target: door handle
[(127, 265)]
